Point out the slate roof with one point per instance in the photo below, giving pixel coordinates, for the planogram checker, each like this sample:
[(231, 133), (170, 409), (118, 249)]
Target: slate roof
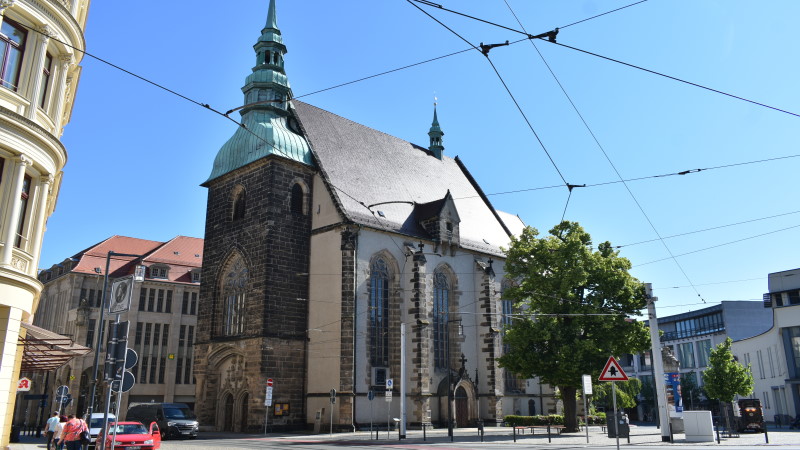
[(374, 167)]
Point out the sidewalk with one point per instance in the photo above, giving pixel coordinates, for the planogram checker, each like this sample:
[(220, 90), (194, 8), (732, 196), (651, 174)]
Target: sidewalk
[(641, 435)]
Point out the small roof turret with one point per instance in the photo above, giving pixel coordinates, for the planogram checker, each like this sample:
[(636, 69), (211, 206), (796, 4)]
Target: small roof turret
[(436, 133)]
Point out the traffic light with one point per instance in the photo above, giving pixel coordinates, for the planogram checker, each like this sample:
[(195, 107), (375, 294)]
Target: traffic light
[(115, 367)]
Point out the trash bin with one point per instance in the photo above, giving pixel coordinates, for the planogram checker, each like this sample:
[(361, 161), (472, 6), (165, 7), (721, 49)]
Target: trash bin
[(622, 425)]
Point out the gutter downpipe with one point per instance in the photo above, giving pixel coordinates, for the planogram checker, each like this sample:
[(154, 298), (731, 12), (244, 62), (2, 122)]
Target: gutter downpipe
[(355, 325)]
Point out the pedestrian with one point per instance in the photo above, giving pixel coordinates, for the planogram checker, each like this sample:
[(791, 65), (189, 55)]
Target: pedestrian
[(50, 428), (72, 432), (58, 437)]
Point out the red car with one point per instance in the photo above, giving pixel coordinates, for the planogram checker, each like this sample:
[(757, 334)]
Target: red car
[(132, 436)]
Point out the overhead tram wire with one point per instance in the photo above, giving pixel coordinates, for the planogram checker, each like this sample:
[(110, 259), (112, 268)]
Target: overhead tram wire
[(719, 245), (648, 177), (634, 66), (608, 158), (710, 229), (519, 108)]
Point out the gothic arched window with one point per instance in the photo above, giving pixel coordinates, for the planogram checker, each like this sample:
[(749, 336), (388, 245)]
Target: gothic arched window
[(441, 310), (234, 288), (296, 203), (239, 204), (379, 313)]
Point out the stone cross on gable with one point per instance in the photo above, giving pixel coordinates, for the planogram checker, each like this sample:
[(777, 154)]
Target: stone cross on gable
[(463, 362)]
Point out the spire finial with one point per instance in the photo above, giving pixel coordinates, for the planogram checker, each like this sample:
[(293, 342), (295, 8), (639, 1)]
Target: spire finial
[(272, 20)]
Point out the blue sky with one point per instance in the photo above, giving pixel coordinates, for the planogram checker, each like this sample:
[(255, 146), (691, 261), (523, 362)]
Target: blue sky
[(137, 154)]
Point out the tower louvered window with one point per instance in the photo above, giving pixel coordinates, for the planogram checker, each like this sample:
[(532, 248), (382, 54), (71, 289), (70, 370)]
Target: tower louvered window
[(234, 296)]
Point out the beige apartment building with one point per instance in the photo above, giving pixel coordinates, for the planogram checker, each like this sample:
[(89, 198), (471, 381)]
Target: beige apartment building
[(41, 46), (162, 316)]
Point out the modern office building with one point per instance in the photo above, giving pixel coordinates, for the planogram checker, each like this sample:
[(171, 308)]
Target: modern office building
[(774, 355), (41, 47), (690, 336)]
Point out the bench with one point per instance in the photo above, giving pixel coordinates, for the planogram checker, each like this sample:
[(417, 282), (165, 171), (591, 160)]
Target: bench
[(532, 428)]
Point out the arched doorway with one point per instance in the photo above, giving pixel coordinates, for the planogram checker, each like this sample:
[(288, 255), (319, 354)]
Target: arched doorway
[(462, 407), (243, 415), (227, 412)]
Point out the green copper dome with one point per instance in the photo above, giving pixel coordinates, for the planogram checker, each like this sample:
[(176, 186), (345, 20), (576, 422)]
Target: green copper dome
[(266, 113)]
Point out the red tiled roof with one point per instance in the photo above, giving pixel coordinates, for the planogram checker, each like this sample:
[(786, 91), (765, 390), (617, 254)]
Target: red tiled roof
[(95, 256), (181, 253), (181, 250)]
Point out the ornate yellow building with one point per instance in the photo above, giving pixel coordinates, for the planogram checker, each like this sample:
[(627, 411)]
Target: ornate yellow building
[(41, 45)]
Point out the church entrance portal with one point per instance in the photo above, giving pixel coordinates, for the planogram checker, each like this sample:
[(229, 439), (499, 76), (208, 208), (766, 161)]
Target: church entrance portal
[(462, 408)]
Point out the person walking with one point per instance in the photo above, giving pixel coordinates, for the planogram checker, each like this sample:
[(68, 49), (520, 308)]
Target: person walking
[(50, 428), (72, 432), (58, 437)]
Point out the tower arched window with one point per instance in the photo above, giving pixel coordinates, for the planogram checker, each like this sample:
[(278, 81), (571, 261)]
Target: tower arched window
[(441, 316), (296, 203), (239, 204), (234, 296), (379, 313)]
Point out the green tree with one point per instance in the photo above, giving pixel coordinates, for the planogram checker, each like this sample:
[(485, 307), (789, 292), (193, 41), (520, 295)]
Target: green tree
[(626, 394), (725, 377), (690, 391), (575, 303)]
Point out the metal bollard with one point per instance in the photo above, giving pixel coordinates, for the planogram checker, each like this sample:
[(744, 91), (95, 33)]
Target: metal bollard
[(424, 429), (766, 435), (514, 432), (549, 439)]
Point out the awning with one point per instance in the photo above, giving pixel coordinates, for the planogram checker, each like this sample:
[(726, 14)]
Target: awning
[(45, 350)]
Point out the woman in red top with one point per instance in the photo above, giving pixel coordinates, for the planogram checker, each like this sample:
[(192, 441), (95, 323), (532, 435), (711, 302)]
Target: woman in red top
[(72, 432)]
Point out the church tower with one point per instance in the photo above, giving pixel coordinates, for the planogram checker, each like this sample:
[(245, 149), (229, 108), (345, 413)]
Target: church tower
[(254, 298)]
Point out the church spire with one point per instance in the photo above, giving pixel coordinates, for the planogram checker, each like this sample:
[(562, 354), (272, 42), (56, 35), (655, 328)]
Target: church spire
[(266, 116), (436, 134)]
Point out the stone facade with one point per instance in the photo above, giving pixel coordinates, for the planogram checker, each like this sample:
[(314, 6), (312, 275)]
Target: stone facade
[(273, 241)]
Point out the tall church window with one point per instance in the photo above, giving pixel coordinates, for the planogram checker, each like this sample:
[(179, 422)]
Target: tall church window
[(441, 313), (12, 48), (234, 295), (297, 199), (239, 203), (379, 313)]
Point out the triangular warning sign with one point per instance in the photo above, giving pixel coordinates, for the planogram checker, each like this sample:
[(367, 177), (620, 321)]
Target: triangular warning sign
[(612, 371)]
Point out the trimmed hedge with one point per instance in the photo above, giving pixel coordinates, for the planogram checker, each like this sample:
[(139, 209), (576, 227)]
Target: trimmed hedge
[(552, 419)]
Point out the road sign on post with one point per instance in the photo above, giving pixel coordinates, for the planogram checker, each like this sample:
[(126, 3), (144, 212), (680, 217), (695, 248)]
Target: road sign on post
[(612, 371), (389, 386)]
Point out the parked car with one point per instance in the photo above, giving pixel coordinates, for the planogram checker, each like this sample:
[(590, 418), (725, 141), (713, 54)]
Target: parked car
[(176, 420), (96, 424), (132, 435)]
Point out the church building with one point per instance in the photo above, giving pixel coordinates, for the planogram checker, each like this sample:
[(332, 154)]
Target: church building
[(324, 240)]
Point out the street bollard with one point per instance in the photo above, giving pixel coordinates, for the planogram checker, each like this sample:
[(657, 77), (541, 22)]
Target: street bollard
[(480, 429), (514, 432), (424, 429), (766, 435)]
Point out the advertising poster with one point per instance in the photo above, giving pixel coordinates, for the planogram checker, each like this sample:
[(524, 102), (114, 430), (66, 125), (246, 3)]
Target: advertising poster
[(674, 398)]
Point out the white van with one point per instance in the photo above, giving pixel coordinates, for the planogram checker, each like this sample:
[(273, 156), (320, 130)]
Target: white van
[(96, 424)]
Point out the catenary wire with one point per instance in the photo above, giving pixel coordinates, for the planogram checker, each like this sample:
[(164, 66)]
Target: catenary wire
[(711, 228), (616, 60), (648, 177), (608, 158), (720, 245), (519, 108)]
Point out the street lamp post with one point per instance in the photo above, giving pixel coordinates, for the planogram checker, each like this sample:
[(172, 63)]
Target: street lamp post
[(450, 393), (100, 327)]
